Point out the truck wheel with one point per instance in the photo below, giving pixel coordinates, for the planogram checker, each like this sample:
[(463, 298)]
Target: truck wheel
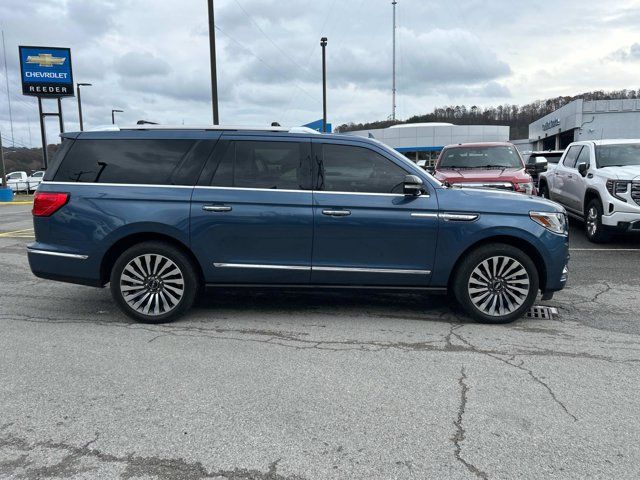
[(593, 227), (154, 282), (544, 191), (496, 283)]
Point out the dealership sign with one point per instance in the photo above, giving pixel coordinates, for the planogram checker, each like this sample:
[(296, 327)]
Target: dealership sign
[(551, 123), (46, 71)]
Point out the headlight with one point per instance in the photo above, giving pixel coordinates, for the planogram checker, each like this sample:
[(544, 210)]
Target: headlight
[(525, 187), (617, 187), (553, 221)]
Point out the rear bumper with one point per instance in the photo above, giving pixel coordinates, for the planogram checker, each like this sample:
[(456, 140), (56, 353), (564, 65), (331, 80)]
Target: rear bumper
[(63, 266)]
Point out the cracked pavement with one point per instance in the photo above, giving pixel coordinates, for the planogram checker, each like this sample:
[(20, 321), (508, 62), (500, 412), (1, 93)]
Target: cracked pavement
[(319, 385)]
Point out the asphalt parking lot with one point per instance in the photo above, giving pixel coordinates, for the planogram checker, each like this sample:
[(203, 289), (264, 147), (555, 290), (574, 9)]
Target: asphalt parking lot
[(291, 385)]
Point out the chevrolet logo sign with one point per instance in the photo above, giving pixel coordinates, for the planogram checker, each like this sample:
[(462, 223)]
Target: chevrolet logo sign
[(45, 60)]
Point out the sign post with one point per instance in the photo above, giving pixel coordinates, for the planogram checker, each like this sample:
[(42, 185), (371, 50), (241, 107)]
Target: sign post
[(46, 72)]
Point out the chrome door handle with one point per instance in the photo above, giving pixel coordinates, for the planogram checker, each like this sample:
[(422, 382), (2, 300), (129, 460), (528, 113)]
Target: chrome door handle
[(337, 213), (216, 208)]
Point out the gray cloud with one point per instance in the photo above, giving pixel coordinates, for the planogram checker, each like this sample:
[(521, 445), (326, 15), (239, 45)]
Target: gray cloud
[(151, 58), (141, 64), (631, 54)]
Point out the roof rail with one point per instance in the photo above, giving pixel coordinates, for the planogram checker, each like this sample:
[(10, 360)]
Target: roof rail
[(217, 127)]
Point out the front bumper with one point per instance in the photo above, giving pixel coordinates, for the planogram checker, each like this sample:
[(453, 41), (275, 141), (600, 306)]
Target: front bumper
[(623, 221)]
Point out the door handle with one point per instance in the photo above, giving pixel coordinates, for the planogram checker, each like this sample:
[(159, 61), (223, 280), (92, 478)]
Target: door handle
[(569, 176), (337, 213), (216, 208)]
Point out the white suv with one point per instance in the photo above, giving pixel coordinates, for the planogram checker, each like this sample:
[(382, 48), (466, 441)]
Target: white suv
[(599, 182)]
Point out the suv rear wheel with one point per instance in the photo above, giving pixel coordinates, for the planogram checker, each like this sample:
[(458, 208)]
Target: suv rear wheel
[(593, 227), (496, 283), (154, 282)]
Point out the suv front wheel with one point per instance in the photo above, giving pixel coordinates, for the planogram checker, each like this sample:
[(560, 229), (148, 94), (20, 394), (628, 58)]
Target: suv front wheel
[(496, 283), (154, 282)]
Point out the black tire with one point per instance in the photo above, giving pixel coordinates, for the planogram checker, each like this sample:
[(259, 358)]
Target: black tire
[(543, 190), (514, 287), (159, 272), (593, 228)]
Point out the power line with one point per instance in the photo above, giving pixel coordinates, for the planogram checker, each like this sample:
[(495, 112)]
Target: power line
[(4, 53), (269, 38), (264, 62)]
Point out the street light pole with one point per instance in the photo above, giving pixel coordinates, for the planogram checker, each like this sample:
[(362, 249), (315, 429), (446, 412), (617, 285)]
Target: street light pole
[(113, 117), (78, 85), (323, 44), (212, 53)]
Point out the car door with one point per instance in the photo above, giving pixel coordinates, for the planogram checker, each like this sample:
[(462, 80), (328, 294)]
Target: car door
[(576, 184), (251, 215), (563, 174), (367, 232)]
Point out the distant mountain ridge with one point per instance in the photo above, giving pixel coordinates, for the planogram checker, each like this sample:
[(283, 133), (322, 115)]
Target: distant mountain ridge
[(518, 117)]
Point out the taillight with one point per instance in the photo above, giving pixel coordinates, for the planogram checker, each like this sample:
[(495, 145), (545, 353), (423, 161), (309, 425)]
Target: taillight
[(46, 204)]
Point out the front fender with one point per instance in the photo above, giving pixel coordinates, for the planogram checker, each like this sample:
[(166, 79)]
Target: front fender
[(457, 238)]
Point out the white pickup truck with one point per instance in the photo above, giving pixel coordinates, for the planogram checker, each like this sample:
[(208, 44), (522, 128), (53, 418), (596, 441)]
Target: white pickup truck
[(22, 182), (598, 182)]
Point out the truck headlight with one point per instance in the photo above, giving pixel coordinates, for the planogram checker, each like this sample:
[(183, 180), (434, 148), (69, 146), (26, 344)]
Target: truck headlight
[(526, 187), (555, 222)]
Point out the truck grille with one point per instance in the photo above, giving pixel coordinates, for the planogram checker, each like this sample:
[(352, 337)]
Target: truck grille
[(635, 191), (499, 185)]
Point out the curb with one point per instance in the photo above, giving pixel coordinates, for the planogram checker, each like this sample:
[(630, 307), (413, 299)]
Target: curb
[(16, 203)]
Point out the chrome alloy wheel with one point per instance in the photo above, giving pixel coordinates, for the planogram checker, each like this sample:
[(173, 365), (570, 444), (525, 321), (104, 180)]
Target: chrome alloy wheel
[(499, 286), (152, 284), (592, 221)]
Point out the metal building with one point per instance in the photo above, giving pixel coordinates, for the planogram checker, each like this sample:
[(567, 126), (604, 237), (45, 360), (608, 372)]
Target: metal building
[(586, 120), (424, 141)]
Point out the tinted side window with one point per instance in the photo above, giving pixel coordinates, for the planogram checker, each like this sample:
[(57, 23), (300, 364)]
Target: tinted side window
[(358, 169), (189, 169), (122, 161), (259, 164), (572, 155), (583, 157)]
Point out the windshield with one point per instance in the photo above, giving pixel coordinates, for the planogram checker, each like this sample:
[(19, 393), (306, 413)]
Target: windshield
[(481, 157), (617, 155)]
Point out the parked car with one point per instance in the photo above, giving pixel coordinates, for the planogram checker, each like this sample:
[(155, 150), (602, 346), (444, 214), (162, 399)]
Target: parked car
[(17, 181), (160, 213), (538, 162), (484, 165), (34, 180), (599, 183)]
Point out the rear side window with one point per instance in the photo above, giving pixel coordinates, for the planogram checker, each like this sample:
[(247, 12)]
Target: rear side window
[(572, 156), (357, 169), (123, 161), (259, 164)]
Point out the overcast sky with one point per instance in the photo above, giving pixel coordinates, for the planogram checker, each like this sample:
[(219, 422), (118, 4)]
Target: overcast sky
[(150, 58)]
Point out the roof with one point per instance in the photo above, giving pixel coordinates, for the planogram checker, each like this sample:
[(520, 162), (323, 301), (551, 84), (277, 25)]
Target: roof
[(481, 144), (614, 141), (423, 124)]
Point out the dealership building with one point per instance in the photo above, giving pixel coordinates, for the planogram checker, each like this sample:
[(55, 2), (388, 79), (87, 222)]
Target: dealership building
[(586, 120), (424, 141)]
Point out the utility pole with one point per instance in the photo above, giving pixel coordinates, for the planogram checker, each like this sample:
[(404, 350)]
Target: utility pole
[(212, 53), (78, 85), (3, 173), (393, 81), (113, 117), (323, 44), (6, 79)]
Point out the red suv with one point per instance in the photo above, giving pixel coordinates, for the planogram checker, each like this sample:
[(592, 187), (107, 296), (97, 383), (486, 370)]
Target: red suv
[(484, 165)]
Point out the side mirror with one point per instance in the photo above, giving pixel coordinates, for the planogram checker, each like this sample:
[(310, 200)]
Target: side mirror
[(412, 185), (431, 169), (541, 164), (582, 169)]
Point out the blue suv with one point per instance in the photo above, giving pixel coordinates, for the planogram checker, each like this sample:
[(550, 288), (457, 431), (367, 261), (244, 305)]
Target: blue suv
[(160, 213)]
